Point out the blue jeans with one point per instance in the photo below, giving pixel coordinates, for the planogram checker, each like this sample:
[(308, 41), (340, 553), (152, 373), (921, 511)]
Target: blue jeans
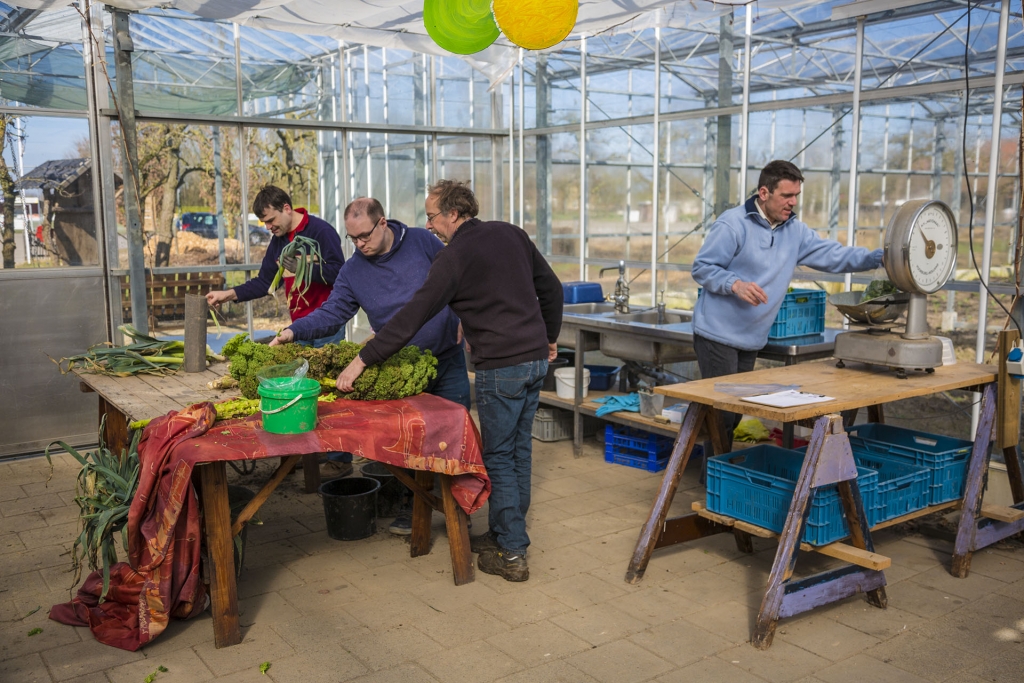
[(506, 401), (451, 382)]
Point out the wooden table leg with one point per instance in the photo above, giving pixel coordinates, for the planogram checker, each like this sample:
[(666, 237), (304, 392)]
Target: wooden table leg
[(311, 471), (974, 485), (458, 534), (419, 542), (652, 529), (876, 414), (116, 434), (1011, 455), (219, 545), (829, 460)]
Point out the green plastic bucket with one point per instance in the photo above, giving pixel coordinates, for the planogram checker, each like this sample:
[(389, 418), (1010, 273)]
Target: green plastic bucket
[(290, 410)]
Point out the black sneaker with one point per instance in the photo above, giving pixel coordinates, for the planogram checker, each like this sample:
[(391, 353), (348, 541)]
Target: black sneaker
[(509, 566), (402, 526), (481, 543)]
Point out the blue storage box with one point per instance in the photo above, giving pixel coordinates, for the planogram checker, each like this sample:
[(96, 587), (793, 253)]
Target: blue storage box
[(901, 489), (944, 457), (756, 485), (802, 315), (637, 448), (581, 292), (602, 377)]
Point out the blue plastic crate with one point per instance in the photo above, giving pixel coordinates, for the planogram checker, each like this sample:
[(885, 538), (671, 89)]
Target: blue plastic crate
[(756, 485), (637, 448), (581, 292), (944, 457), (802, 314), (901, 488), (602, 377)]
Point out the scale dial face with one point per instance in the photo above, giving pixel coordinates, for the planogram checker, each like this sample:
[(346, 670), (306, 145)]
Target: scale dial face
[(921, 246)]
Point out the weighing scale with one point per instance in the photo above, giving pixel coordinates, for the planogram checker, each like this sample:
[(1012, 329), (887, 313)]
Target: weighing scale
[(920, 254)]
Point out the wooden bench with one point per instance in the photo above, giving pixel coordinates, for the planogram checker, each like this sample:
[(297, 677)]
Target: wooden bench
[(165, 293)]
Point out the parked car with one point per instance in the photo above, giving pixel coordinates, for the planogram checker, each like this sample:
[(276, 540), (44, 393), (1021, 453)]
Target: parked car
[(258, 235), (201, 223)]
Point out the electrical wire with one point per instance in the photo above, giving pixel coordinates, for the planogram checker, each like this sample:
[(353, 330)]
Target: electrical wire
[(967, 179)]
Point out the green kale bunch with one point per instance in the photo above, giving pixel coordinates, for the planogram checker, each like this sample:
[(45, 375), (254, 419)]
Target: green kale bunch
[(406, 373), (878, 288)]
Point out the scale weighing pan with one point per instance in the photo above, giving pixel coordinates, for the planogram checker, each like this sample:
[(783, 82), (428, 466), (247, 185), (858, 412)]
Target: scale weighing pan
[(881, 309)]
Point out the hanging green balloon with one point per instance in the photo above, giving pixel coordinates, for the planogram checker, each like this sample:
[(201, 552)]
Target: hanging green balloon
[(460, 26)]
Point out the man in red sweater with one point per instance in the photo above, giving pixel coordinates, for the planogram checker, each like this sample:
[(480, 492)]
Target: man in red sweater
[(274, 207)]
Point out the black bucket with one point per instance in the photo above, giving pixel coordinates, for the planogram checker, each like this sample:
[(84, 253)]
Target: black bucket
[(349, 507), (549, 379), (391, 493), (238, 498)]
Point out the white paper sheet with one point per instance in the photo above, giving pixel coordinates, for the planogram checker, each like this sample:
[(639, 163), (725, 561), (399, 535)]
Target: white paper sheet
[(787, 399)]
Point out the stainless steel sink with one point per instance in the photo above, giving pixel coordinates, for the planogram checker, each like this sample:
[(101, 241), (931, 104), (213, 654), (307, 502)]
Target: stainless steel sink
[(654, 318), (598, 308), (630, 346)]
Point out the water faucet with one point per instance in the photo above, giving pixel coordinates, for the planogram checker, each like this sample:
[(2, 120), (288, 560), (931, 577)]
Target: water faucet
[(621, 297)]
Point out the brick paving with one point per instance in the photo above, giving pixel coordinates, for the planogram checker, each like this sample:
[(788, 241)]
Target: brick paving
[(324, 610)]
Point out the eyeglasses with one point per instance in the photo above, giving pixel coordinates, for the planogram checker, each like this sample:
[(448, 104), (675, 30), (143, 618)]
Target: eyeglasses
[(365, 237), (432, 216)]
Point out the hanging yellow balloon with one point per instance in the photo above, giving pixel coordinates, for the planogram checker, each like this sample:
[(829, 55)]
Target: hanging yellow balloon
[(535, 24), (460, 26)]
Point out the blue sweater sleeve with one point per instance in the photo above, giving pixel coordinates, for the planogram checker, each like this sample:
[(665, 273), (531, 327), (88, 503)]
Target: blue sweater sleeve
[(711, 267), (259, 286), (832, 257), (339, 308)]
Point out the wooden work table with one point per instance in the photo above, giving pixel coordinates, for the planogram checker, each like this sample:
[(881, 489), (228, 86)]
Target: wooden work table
[(126, 399), (829, 460)]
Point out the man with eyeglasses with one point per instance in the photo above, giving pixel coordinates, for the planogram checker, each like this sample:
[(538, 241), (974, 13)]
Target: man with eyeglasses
[(391, 262), (510, 304), (274, 208)]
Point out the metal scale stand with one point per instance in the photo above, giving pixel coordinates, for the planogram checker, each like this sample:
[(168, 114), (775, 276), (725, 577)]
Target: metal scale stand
[(920, 255)]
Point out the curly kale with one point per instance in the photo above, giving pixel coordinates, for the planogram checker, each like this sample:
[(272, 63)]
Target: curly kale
[(879, 288), (406, 373), (233, 344)]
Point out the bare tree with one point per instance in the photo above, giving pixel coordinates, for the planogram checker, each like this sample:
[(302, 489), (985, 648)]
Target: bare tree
[(7, 187)]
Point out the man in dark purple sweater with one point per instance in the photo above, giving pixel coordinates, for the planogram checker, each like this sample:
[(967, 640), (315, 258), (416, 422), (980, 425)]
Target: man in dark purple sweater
[(510, 304)]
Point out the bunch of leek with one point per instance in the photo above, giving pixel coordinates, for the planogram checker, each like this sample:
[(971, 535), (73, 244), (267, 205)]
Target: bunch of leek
[(146, 355), (104, 491), (306, 253)]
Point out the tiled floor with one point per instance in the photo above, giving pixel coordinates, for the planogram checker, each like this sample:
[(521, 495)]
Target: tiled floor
[(323, 610)]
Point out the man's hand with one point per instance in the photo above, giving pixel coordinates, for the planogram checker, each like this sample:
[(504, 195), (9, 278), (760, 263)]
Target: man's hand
[(217, 297), (290, 263), (283, 337), (749, 292), (552, 352), (350, 374)]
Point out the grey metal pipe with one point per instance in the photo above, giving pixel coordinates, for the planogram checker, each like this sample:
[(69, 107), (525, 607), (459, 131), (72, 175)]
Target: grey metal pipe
[(851, 211)]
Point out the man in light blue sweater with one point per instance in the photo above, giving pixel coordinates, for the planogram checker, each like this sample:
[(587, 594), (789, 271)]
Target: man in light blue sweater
[(745, 268)]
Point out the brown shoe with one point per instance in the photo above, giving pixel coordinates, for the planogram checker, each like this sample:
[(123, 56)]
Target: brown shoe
[(509, 566), (335, 470)]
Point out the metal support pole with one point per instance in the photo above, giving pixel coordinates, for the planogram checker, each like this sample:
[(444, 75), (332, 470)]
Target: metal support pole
[(218, 196), (522, 148), (583, 157), (512, 147), (656, 170), (123, 48), (723, 155), (851, 210), (243, 170), (836, 175), (745, 111), (990, 196), (542, 166), (387, 149)]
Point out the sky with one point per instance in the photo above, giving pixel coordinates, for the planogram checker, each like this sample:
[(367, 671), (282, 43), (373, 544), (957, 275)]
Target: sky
[(48, 138)]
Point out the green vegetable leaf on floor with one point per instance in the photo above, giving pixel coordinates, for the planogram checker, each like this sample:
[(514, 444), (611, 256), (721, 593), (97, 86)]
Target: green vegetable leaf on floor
[(263, 668), (35, 632)]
